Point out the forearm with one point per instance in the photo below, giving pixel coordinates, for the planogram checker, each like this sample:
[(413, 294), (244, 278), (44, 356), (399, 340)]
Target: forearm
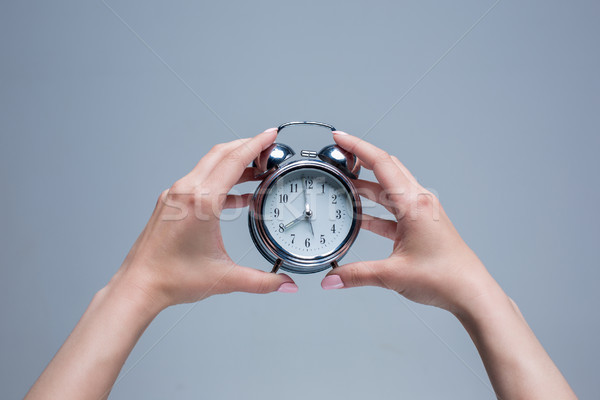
[(88, 363), (516, 362)]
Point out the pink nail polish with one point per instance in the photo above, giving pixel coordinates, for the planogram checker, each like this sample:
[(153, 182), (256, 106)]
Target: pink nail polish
[(288, 287), (339, 133), (271, 130), (332, 282)]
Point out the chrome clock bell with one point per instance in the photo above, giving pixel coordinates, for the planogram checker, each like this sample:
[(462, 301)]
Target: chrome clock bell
[(305, 214)]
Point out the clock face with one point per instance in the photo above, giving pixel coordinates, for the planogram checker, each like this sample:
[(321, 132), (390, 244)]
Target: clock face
[(308, 212)]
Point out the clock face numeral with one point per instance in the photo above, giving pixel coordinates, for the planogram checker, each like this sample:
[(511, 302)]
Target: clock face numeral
[(312, 204)]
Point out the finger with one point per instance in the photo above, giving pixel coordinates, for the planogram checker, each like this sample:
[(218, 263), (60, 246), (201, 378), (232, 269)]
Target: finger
[(231, 167), (362, 273), (405, 170), (234, 201), (250, 280), (237, 201), (211, 160), (369, 189), (374, 192), (249, 174), (380, 226), (379, 161)]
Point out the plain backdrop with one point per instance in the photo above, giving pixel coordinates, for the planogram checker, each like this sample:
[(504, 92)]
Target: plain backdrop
[(105, 104)]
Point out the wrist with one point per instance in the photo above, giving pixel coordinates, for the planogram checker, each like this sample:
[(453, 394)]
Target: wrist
[(128, 286), (487, 301), (477, 292)]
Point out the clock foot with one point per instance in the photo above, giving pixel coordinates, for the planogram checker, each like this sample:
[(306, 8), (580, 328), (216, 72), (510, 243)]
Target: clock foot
[(277, 265), (334, 264)]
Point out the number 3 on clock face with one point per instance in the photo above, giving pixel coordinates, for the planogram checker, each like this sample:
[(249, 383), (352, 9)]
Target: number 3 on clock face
[(306, 215)]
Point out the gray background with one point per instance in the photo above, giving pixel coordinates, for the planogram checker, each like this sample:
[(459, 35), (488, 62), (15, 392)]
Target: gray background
[(504, 128)]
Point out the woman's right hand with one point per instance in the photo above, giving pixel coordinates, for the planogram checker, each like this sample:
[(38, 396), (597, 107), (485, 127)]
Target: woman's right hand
[(180, 256), (429, 263)]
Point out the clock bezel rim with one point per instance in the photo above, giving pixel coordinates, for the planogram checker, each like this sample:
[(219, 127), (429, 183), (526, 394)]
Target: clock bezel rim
[(271, 250)]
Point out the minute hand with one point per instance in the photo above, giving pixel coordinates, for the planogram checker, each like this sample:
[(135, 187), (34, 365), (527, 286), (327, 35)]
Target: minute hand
[(307, 210)]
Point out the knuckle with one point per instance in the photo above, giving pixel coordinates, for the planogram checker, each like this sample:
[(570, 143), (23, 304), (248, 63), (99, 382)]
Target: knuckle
[(426, 200), (196, 198), (180, 186), (382, 156), (236, 157), (217, 147), (162, 197), (355, 277), (354, 145), (423, 200), (263, 284), (397, 162)]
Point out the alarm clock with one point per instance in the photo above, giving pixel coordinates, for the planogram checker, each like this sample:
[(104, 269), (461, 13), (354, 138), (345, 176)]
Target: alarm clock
[(306, 212)]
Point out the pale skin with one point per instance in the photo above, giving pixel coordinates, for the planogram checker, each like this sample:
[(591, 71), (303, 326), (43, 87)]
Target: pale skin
[(180, 258)]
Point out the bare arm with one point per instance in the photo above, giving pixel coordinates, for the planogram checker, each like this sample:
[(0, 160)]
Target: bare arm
[(516, 362), (431, 264), (178, 258), (88, 363)]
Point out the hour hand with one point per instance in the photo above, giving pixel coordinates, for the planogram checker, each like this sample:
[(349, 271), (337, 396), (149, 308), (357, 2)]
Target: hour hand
[(294, 222)]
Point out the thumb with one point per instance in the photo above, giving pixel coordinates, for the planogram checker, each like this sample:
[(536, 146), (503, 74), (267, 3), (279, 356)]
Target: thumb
[(250, 280), (361, 273)]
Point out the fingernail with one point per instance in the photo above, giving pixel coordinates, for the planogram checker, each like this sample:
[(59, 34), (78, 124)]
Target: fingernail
[(332, 282), (339, 133), (288, 287), (271, 130)]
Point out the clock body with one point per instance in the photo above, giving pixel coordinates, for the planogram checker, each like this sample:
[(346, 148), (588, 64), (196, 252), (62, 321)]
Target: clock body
[(305, 216)]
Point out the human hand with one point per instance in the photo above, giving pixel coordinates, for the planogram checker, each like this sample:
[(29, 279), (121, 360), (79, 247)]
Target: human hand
[(180, 257), (429, 263)]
